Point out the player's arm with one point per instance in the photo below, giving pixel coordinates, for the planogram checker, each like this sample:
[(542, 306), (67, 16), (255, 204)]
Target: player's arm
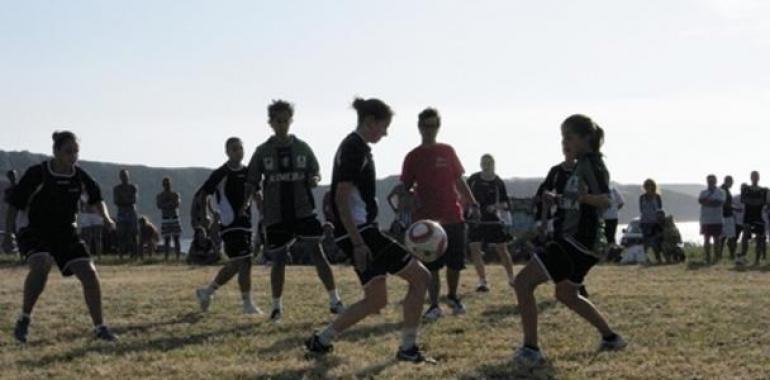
[(254, 175), (466, 196)]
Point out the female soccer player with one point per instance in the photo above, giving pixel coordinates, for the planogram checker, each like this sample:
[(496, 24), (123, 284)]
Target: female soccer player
[(374, 255), (568, 258), (46, 203)]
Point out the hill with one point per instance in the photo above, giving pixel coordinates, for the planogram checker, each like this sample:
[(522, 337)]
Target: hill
[(679, 199)]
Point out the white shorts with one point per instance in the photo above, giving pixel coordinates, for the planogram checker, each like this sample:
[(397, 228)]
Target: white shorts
[(728, 227)]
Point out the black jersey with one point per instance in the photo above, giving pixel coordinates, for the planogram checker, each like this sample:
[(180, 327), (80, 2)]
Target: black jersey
[(353, 163), (754, 199), (49, 201), (488, 193), (555, 181), (228, 186), (727, 207)]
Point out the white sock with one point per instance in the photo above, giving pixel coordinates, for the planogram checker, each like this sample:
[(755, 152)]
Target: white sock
[(334, 297), (327, 335), (277, 303), (246, 297), (408, 338)]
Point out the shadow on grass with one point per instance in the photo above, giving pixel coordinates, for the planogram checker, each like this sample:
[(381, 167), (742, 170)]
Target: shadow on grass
[(506, 370), (353, 335), (751, 268), (319, 371), (121, 348), (502, 311)]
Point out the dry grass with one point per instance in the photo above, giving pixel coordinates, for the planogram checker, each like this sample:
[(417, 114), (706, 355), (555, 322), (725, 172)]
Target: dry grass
[(682, 322)]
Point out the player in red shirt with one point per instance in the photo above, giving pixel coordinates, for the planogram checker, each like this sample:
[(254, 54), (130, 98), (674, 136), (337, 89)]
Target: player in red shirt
[(434, 173)]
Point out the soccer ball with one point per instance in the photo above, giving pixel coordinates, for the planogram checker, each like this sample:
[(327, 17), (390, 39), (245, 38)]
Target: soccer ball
[(426, 239)]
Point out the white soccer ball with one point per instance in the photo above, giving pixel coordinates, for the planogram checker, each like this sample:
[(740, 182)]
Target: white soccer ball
[(426, 239)]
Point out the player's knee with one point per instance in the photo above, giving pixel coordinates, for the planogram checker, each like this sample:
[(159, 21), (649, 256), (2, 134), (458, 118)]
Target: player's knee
[(522, 284), (567, 295)]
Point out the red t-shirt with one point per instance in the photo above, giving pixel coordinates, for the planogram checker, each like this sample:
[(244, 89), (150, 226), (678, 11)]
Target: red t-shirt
[(433, 170)]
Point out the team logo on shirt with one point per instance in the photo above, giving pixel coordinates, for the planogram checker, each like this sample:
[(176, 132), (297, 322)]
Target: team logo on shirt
[(268, 162), (285, 162), (301, 162)]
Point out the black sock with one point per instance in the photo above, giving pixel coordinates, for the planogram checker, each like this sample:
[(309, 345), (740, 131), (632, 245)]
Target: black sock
[(533, 348)]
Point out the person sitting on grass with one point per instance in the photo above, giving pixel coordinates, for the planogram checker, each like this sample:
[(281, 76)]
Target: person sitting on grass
[(202, 249), (671, 239), (148, 237)]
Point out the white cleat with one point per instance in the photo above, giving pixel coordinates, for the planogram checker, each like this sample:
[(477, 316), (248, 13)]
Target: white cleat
[(204, 299), (433, 314), (250, 309)]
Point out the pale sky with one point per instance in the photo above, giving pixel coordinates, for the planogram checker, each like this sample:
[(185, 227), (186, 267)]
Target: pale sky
[(682, 87)]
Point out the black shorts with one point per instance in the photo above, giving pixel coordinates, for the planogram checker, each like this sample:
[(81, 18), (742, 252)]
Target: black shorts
[(753, 228), (389, 257), (454, 258), (64, 245), (238, 244), (488, 232), (278, 237), (561, 261)]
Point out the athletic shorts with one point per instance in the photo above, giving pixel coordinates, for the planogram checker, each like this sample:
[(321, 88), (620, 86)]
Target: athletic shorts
[(561, 260), (454, 258), (64, 245), (492, 233), (278, 237), (755, 228), (237, 244), (170, 227), (711, 229), (728, 228), (388, 256)]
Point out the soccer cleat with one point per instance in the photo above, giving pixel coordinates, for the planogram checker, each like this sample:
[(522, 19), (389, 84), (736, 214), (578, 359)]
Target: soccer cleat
[(337, 308), (276, 315), (617, 343), (414, 355), (527, 359), (21, 331), (250, 309), (314, 345), (433, 313), (457, 306), (204, 299), (104, 333), (482, 288)]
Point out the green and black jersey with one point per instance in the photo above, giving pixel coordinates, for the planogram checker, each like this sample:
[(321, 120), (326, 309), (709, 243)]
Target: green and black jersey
[(582, 224), (283, 173)]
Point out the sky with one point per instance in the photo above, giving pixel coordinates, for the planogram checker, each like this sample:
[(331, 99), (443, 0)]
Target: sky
[(681, 87)]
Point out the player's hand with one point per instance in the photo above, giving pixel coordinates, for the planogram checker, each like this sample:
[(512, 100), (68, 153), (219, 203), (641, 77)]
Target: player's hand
[(550, 196), (475, 212), (362, 256), (109, 223)]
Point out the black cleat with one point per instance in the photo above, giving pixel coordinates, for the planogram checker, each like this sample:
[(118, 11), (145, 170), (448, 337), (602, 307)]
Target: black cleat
[(21, 330), (104, 333), (482, 288), (314, 345), (414, 355)]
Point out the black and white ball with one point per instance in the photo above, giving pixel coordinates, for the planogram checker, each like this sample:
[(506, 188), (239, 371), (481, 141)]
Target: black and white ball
[(426, 239)]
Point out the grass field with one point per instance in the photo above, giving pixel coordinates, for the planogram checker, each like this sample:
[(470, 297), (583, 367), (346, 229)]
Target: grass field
[(682, 322)]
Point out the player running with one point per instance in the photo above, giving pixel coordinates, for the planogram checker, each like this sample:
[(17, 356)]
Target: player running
[(228, 185)]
